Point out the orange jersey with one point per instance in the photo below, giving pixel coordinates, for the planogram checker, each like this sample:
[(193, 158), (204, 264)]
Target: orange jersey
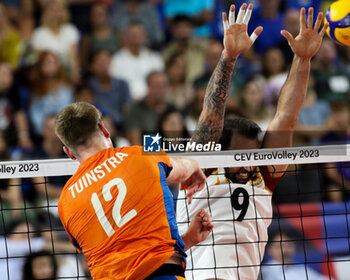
[(118, 210)]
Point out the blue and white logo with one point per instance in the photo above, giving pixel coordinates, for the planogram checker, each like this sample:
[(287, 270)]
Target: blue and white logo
[(151, 143)]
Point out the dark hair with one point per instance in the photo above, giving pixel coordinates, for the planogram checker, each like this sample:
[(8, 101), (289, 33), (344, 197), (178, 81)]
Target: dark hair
[(171, 60), (165, 115), (83, 86), (181, 18), (92, 56), (338, 105), (28, 265), (39, 82), (154, 73), (241, 126)]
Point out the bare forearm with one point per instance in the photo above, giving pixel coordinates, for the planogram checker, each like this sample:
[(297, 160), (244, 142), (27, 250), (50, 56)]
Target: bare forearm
[(187, 240), (211, 120), (293, 94)]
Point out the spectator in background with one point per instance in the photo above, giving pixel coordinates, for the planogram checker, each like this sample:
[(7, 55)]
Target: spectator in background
[(144, 114), (10, 192), (315, 113), (112, 95), (48, 189), (101, 37), (181, 28), (50, 91), (282, 250), (337, 175), (195, 107), (274, 74), (298, 4), (331, 81), (26, 27), (10, 50), (40, 265), (57, 35), (19, 240), (180, 92), (200, 11), (252, 104), (84, 93), (117, 138), (171, 125), (212, 56), (13, 120), (15, 245), (135, 61), (269, 17), (128, 11), (291, 24)]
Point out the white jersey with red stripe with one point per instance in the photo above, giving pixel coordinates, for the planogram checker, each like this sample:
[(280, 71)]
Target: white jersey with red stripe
[(241, 215)]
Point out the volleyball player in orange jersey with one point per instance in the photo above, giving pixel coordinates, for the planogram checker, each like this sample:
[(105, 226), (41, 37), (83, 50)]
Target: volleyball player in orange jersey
[(117, 208)]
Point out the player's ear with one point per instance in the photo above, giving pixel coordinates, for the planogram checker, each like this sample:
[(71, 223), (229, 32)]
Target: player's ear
[(68, 153), (104, 130)]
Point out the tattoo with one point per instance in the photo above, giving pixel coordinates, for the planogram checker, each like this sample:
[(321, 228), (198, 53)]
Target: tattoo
[(211, 120)]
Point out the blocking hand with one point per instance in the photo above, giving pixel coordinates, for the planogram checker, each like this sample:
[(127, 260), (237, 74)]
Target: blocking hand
[(308, 41), (236, 38)]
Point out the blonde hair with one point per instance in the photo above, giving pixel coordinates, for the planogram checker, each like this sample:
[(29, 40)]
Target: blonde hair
[(77, 123), (46, 19)]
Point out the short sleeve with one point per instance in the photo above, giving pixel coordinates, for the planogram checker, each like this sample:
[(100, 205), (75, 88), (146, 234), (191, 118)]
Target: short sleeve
[(71, 33), (38, 38)]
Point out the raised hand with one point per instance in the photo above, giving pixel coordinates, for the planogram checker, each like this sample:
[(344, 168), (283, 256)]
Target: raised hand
[(308, 41), (236, 38)]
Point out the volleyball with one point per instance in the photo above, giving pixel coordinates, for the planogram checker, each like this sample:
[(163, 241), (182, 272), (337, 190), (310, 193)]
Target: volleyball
[(338, 17)]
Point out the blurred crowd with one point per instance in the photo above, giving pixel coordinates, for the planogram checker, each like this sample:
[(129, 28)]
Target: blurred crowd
[(145, 64)]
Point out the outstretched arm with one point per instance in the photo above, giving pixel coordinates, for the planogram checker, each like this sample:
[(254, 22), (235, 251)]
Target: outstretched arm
[(236, 41), (292, 96)]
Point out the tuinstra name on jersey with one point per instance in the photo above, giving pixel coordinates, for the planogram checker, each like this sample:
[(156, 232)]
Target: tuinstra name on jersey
[(191, 147), (97, 173)]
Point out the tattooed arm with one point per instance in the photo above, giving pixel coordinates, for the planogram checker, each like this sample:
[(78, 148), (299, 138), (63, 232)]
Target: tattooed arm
[(236, 41), (210, 122)]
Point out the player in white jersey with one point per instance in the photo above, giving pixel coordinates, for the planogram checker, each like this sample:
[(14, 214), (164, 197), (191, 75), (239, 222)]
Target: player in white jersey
[(239, 198)]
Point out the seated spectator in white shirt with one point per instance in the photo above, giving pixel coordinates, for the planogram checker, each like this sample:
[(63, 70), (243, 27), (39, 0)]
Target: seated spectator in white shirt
[(282, 266), (57, 35), (135, 61)]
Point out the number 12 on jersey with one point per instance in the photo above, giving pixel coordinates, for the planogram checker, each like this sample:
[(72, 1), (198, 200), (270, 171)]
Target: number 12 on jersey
[(107, 195)]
